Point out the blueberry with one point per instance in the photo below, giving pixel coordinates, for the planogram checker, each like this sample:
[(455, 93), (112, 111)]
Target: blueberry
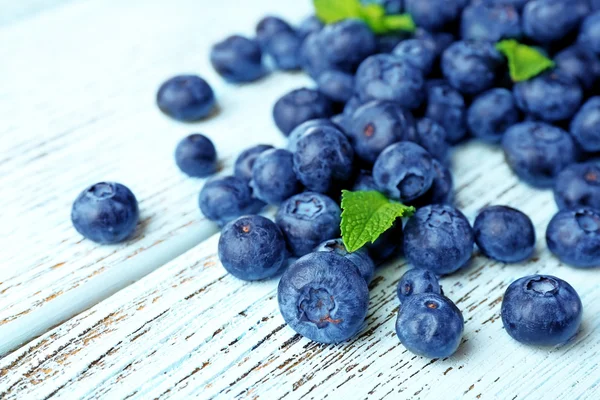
[(105, 213), (585, 126), (360, 258), (323, 297), (305, 127), (364, 182), (432, 137), (547, 21), (252, 248), (518, 4), (347, 43), (226, 198), (416, 281), (489, 22), (387, 43), (541, 310), (574, 237), (308, 219), (284, 48), (339, 121), (387, 245), (438, 238), (387, 77), (404, 171), (552, 96), (270, 27), (447, 107), (434, 15), (491, 114), (237, 59), (430, 325), (470, 66), (504, 234), (419, 53), (589, 34), (537, 151), (581, 64), (337, 85), (245, 161), (323, 159), (196, 156), (351, 106), (390, 6), (273, 177), (442, 188), (376, 125), (311, 56), (310, 25), (298, 106), (578, 186), (186, 98), (440, 40)]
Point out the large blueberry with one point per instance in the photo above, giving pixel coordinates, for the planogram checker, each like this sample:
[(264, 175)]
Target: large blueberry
[(491, 114), (360, 258), (579, 63), (416, 281), (105, 213), (447, 107), (434, 15), (273, 176), (270, 27), (574, 237), (186, 98), (438, 238), (541, 310), (442, 188), (284, 49), (196, 156), (578, 186), (432, 137), (589, 34), (305, 127), (488, 22), (237, 59), (252, 248), (226, 198), (337, 85), (347, 43), (245, 161), (547, 21), (298, 106), (419, 53), (323, 297), (585, 126)]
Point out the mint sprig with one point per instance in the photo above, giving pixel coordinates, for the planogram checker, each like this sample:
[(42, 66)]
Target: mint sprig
[(524, 62), (366, 215)]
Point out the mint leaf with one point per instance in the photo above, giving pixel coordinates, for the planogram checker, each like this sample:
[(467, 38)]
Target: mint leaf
[(524, 62), (373, 15), (330, 11), (366, 215), (399, 22)]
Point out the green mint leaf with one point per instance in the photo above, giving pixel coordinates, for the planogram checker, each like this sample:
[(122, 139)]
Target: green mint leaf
[(366, 215), (524, 62), (399, 22), (373, 15), (330, 11)]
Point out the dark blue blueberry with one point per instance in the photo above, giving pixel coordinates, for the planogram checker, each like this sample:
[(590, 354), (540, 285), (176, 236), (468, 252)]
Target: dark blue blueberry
[(595, 5), (337, 85), (364, 182), (585, 126), (186, 98), (237, 59), (432, 137), (446, 106), (387, 43), (547, 21), (488, 22), (347, 43), (270, 27), (552, 96), (376, 125), (518, 4), (504, 234), (537, 152), (284, 48), (226, 198), (323, 297), (309, 25), (245, 161), (252, 248), (574, 237), (442, 188), (298, 106), (541, 310), (387, 245), (578, 186), (360, 258), (308, 219), (311, 56), (471, 66), (579, 63), (305, 127), (196, 156), (323, 159), (390, 6), (273, 177), (105, 213), (387, 77), (440, 40), (491, 114), (434, 15), (430, 325), (438, 238), (416, 281), (419, 53), (589, 34)]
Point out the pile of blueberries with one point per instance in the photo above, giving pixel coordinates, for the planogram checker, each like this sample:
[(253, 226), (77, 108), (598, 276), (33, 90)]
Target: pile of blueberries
[(383, 116)]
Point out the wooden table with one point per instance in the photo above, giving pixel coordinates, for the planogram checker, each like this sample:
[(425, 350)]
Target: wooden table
[(158, 317)]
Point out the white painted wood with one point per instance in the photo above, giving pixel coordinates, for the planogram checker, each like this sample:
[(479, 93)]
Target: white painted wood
[(190, 330)]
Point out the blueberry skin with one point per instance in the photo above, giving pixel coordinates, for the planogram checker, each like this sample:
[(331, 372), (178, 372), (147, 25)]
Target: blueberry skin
[(252, 248), (430, 325), (574, 237), (578, 186), (447, 107), (237, 59), (376, 125), (105, 213), (347, 43), (186, 98), (298, 106), (442, 188), (337, 85), (505, 234), (284, 48), (323, 159), (581, 64), (440, 40), (585, 126), (551, 96), (305, 127), (404, 171), (419, 53), (311, 56), (432, 137), (416, 281), (547, 21), (541, 310), (323, 297), (245, 161), (273, 177), (196, 156), (438, 238), (434, 15), (471, 66), (309, 25), (308, 219), (226, 198), (360, 258), (589, 34), (491, 23), (537, 152), (491, 114), (387, 77), (351, 106), (270, 27), (364, 182)]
